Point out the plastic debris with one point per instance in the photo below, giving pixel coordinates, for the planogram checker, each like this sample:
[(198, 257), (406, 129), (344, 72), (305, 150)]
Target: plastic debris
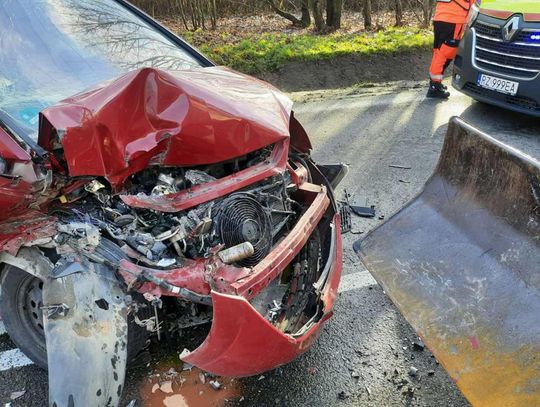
[(166, 387), (215, 384), (413, 371), (343, 395), (17, 394), (419, 345)]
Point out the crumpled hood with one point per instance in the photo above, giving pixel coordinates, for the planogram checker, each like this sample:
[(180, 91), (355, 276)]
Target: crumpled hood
[(148, 116)]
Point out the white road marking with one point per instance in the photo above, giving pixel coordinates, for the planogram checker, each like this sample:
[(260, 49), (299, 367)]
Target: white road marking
[(2, 328), (355, 281), (12, 359)]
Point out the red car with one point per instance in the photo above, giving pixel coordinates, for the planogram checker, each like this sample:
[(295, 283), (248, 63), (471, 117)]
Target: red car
[(165, 183)]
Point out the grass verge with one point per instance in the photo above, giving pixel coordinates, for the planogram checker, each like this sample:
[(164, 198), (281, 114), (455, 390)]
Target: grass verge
[(266, 52)]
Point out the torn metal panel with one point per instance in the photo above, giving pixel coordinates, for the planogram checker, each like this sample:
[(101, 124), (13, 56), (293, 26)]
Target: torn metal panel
[(182, 118), (199, 194), (460, 262), (22, 230), (85, 321)]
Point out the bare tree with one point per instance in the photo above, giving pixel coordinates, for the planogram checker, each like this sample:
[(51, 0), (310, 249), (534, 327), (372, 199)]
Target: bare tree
[(427, 11), (303, 21)]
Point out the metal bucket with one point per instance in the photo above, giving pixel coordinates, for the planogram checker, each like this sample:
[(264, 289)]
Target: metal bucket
[(461, 262)]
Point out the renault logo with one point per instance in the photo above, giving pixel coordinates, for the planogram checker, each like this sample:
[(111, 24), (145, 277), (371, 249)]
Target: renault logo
[(511, 28)]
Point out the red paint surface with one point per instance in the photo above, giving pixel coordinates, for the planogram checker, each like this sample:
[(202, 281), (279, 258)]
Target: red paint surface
[(242, 343), (474, 342), (146, 117), (10, 150)]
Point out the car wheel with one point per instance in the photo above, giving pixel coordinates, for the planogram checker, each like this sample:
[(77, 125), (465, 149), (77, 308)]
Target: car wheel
[(20, 307)]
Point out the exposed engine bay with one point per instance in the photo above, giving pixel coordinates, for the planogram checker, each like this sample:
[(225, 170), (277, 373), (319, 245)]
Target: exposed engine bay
[(256, 216), (240, 228)]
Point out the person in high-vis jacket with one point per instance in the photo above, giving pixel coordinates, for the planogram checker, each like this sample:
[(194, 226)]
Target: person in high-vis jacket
[(448, 26)]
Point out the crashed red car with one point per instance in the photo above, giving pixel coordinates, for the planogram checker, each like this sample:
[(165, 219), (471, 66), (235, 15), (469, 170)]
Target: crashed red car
[(137, 177)]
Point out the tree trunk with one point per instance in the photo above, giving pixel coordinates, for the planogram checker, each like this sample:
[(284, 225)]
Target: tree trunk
[(213, 14), (317, 10), (306, 16), (333, 13), (367, 14), (399, 13), (426, 13), (292, 18)]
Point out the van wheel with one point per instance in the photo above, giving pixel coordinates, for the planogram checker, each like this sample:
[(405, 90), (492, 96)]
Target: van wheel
[(21, 299)]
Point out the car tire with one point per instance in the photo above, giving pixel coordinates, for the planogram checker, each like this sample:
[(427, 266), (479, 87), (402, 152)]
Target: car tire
[(20, 302)]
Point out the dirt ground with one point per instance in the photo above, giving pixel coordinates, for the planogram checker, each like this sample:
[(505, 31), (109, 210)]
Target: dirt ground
[(350, 71)]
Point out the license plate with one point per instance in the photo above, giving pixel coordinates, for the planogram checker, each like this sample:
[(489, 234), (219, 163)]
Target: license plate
[(498, 84)]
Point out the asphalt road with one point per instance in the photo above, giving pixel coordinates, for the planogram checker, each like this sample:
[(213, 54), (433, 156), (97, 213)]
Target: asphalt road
[(364, 355)]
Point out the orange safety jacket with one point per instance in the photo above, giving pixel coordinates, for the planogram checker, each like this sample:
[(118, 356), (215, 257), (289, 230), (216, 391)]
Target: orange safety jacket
[(453, 11)]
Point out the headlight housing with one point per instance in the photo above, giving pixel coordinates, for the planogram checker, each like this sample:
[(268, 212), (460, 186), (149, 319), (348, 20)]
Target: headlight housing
[(473, 15)]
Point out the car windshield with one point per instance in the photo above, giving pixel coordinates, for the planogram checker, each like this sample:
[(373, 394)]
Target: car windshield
[(52, 49)]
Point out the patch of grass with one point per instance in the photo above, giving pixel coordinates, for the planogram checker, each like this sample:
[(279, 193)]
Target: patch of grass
[(270, 51)]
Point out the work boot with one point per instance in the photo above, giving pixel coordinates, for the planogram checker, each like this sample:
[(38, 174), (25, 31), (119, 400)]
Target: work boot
[(437, 90)]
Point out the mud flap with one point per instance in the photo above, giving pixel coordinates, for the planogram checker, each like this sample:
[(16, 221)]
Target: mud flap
[(86, 331), (461, 262)]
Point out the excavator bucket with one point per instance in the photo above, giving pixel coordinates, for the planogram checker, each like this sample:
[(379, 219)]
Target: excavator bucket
[(462, 263)]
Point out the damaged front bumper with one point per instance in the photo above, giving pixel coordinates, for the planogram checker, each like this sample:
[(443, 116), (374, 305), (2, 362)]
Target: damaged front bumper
[(242, 341)]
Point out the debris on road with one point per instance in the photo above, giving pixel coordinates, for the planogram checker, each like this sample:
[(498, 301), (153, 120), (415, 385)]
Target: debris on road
[(419, 345), (343, 395), (176, 400), (170, 374), (413, 371), (364, 211), (166, 387), (345, 213), (191, 387), (401, 167), (17, 394), (215, 384)]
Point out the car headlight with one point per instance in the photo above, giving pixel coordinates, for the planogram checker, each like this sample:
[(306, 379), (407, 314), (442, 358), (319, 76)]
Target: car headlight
[(473, 15)]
